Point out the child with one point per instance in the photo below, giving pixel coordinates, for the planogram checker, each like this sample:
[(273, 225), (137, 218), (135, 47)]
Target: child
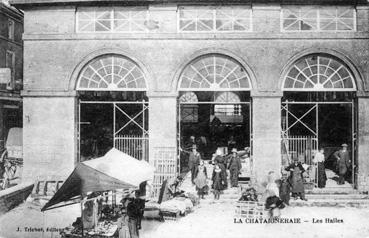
[(217, 181), (285, 190), (200, 180)]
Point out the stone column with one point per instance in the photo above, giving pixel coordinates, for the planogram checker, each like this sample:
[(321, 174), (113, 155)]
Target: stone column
[(363, 143), (163, 137), (49, 135), (266, 120)]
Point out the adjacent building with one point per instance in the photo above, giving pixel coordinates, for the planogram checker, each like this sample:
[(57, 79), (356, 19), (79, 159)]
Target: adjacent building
[(11, 69), (147, 77)]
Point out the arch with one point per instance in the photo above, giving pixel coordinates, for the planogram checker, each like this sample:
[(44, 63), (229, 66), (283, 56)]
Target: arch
[(188, 97), (75, 74), (111, 73), (218, 52), (227, 97), (337, 72)]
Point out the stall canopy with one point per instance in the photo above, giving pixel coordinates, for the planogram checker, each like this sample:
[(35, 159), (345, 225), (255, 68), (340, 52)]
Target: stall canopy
[(115, 170)]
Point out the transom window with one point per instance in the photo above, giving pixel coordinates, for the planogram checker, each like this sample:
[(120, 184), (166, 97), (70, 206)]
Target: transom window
[(214, 72), (112, 20), (111, 73), (318, 19), (227, 109), (221, 19), (319, 73)]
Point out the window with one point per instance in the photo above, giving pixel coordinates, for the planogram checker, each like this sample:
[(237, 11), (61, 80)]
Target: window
[(214, 72), (189, 112), (112, 20), (222, 19), (111, 73), (11, 29), (10, 63), (227, 109), (318, 19), (319, 73)]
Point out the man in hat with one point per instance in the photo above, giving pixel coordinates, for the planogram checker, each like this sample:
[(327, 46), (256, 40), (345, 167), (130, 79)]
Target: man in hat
[(343, 163), (222, 163), (234, 167), (193, 162)]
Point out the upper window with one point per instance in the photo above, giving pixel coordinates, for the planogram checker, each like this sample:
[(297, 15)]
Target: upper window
[(221, 19), (319, 73), (111, 73), (215, 73), (227, 109), (112, 20), (318, 19), (11, 29)]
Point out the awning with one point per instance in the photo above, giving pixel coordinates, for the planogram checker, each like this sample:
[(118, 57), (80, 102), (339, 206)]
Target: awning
[(115, 170)]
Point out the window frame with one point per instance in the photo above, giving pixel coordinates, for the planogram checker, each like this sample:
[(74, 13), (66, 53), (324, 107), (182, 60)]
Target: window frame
[(11, 29), (112, 19), (318, 21), (214, 19), (12, 67)]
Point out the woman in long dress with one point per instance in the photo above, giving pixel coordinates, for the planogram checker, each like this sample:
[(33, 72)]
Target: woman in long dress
[(296, 179), (200, 180), (319, 161)]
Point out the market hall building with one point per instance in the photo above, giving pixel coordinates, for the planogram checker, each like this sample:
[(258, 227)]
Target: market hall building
[(282, 78)]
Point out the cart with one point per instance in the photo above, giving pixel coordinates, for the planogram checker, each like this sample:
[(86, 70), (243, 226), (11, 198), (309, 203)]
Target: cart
[(12, 159)]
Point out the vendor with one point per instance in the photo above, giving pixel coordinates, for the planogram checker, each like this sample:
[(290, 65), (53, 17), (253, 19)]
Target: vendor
[(89, 215)]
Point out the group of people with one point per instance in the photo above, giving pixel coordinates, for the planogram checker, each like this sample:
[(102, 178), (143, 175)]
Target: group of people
[(343, 163), (221, 163)]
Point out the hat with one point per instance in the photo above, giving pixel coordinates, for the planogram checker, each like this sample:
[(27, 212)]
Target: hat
[(234, 150), (344, 145)]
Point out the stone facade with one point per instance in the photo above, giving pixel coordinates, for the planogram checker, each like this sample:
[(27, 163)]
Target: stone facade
[(55, 53)]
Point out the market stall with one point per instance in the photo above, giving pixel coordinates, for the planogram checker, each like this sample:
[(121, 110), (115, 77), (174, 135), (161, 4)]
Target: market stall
[(97, 184)]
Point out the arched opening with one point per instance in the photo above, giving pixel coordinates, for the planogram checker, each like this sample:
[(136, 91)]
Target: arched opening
[(214, 108), (113, 107), (318, 111)]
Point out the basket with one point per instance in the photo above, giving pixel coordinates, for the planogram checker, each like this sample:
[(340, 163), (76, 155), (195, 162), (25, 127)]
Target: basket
[(250, 209)]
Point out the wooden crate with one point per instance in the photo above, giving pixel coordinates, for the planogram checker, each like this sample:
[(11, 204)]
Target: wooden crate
[(250, 209), (170, 216)]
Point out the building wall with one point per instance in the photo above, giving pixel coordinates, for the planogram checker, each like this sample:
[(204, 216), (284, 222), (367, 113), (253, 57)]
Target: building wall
[(54, 54), (10, 97)]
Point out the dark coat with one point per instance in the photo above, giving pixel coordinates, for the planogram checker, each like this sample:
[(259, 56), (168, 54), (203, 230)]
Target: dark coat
[(194, 160), (235, 163), (217, 180), (296, 178), (343, 162)]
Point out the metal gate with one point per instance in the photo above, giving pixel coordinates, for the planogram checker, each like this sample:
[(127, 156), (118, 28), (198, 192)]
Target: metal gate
[(129, 127)]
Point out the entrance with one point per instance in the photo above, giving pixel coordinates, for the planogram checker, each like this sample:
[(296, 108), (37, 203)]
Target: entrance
[(105, 124), (306, 126), (213, 120)]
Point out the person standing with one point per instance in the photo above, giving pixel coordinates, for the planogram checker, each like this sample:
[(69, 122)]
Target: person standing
[(222, 164), (319, 161), (200, 180), (343, 161), (193, 162), (234, 167), (133, 214), (217, 181), (296, 179)]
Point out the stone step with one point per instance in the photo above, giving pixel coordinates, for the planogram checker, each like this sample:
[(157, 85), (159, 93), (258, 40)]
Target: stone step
[(337, 196), (363, 203)]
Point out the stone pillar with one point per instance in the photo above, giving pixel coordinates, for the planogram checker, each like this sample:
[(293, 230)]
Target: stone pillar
[(163, 137), (363, 143), (266, 120), (49, 135)]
